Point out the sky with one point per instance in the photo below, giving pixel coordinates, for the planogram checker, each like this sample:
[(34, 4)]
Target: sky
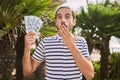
[(76, 4)]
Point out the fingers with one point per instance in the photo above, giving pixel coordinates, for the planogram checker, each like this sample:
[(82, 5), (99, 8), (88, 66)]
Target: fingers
[(29, 39), (63, 31), (65, 34), (30, 34)]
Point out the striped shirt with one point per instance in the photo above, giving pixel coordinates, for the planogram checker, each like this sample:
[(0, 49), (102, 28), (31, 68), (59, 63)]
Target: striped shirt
[(59, 62)]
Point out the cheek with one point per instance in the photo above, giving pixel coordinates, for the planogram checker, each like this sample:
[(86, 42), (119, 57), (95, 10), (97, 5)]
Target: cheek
[(70, 24), (57, 24)]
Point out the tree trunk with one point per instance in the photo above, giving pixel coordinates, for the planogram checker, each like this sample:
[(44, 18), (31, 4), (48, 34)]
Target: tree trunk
[(7, 57), (119, 70), (90, 44), (104, 59), (19, 54)]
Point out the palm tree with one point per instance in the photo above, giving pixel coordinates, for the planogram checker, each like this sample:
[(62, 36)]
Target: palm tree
[(8, 14), (12, 32), (98, 25)]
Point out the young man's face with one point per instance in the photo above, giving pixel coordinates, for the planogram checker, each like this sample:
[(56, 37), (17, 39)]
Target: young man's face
[(64, 15)]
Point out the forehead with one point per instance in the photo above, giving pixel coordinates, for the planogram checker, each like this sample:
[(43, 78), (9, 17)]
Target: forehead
[(64, 11)]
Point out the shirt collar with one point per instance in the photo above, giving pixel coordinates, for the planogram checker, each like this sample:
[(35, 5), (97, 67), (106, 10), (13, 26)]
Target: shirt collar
[(58, 36)]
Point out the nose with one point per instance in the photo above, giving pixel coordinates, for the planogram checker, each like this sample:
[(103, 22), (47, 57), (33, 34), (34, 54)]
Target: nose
[(63, 21)]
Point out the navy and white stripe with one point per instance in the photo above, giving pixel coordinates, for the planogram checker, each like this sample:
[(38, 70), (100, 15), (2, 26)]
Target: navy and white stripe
[(60, 64)]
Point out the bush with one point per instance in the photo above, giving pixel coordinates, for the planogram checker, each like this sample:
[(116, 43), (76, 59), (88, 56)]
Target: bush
[(96, 70), (114, 69)]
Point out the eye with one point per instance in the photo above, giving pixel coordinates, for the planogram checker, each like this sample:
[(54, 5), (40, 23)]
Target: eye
[(59, 17), (67, 17)]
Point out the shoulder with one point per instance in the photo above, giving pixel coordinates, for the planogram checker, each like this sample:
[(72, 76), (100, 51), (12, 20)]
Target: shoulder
[(46, 40), (51, 38), (79, 38)]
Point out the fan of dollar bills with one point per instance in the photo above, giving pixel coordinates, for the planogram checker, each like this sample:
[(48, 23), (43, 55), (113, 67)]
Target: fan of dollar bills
[(33, 24)]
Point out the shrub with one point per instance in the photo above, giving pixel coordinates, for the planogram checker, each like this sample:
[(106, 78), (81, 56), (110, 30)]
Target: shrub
[(96, 70), (114, 69)]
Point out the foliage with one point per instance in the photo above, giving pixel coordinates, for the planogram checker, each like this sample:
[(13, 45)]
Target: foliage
[(114, 70), (47, 31), (98, 25), (96, 70), (12, 13), (7, 57), (97, 20), (2, 32), (114, 61)]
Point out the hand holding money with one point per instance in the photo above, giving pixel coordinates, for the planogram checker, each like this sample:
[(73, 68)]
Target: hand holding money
[(33, 25)]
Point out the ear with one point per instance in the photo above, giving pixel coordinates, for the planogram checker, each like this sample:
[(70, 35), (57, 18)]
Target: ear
[(74, 22)]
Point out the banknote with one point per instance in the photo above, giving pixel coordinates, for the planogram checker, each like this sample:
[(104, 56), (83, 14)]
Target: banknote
[(33, 23)]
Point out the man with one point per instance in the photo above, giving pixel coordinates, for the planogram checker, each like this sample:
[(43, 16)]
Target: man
[(66, 56)]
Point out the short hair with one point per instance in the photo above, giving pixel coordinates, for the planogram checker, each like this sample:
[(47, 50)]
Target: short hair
[(67, 7)]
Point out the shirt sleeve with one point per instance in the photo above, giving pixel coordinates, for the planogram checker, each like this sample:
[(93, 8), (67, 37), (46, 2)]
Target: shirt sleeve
[(39, 52), (84, 47)]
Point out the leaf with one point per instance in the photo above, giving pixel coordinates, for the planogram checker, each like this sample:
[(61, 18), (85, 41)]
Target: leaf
[(8, 26), (2, 33)]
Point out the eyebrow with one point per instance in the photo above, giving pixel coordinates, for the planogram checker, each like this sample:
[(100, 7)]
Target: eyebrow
[(65, 14), (58, 14)]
